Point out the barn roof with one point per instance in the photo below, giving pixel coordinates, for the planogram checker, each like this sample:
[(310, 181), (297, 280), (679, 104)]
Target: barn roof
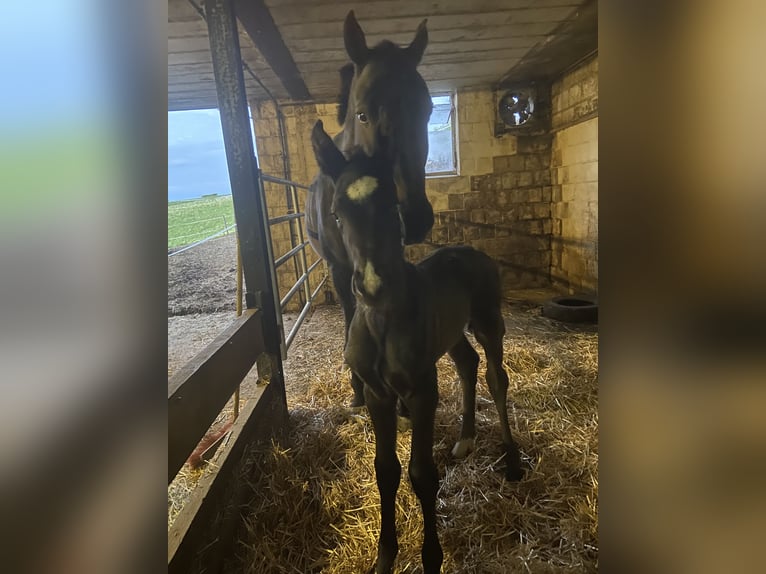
[(294, 48)]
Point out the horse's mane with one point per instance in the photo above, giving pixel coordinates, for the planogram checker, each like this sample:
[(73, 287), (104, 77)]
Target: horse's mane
[(346, 76)]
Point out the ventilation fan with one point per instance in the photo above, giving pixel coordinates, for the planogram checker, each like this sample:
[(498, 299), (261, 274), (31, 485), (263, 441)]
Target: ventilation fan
[(517, 108)]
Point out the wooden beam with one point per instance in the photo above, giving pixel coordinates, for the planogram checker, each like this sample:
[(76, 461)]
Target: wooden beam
[(199, 390), (203, 533), (257, 21)]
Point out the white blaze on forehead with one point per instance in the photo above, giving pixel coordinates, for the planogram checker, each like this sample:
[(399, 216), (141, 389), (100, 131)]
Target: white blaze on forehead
[(362, 188), (371, 279)]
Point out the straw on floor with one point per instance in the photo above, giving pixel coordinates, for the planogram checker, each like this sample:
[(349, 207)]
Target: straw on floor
[(314, 504)]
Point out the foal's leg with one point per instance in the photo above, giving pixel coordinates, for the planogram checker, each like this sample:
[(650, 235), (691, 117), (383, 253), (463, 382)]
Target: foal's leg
[(422, 468), (341, 276), (490, 335), (387, 473), (467, 363)]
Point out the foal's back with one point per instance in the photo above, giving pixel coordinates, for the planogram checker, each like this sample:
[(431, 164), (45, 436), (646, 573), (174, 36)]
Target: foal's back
[(463, 286)]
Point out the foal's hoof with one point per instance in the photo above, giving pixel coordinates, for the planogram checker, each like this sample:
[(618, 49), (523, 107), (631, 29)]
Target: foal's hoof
[(463, 447), (514, 473), (403, 424)]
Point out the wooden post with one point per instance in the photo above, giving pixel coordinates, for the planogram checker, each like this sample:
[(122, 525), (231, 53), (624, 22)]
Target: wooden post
[(238, 308)]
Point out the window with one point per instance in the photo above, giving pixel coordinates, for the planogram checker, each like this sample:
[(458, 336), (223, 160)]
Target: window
[(441, 137)]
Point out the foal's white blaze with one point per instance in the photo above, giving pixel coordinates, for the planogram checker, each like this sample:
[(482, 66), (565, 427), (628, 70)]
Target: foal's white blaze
[(463, 447), (362, 188), (371, 279)]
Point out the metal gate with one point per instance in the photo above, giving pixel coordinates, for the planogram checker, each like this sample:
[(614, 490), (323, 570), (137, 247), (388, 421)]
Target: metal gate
[(303, 281)]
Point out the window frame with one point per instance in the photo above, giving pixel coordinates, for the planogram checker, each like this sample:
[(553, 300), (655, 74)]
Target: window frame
[(455, 171)]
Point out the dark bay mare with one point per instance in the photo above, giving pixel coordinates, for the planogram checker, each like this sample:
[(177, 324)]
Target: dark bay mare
[(384, 108), (408, 316)]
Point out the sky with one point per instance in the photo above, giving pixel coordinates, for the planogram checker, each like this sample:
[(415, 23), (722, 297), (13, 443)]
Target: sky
[(196, 156), (197, 159)]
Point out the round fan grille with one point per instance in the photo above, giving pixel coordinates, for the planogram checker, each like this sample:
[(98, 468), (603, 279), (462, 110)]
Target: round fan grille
[(516, 108)]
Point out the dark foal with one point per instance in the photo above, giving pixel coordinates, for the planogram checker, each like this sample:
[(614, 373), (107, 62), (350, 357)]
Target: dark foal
[(383, 99), (407, 316)]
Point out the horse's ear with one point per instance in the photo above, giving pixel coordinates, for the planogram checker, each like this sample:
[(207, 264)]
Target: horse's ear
[(330, 159), (418, 46), (353, 37)]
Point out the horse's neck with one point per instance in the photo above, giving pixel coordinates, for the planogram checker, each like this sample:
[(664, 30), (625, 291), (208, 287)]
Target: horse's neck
[(400, 307)]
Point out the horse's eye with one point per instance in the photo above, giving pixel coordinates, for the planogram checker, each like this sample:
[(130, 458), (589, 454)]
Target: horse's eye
[(337, 219), (362, 117)]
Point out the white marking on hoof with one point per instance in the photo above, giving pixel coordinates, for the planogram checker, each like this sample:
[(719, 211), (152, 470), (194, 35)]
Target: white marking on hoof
[(463, 447), (362, 188), (371, 279)]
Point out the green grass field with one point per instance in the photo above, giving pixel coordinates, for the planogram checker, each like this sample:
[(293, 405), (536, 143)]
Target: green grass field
[(195, 219)]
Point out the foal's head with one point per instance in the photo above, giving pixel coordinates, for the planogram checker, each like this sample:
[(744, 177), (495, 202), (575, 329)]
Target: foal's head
[(368, 215), (388, 109)]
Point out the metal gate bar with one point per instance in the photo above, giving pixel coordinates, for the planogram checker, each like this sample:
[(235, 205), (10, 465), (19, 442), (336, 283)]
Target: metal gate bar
[(273, 179), (299, 251)]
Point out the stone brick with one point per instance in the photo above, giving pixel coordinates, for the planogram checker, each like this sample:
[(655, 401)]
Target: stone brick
[(534, 144), (541, 210), (479, 216), (463, 216), (471, 232), (472, 201), (440, 235), (500, 163), (520, 196), (525, 178), (502, 199), (510, 180), (535, 194), (534, 227), (493, 216), (455, 201), (487, 232), (516, 162), (483, 165), (541, 177), (455, 233), (532, 162), (527, 212)]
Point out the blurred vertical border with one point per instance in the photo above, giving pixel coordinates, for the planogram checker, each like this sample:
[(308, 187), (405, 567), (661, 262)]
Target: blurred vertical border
[(82, 286), (682, 206)]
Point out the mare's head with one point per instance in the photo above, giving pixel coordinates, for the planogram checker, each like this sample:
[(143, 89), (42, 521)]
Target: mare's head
[(385, 109), (368, 214)]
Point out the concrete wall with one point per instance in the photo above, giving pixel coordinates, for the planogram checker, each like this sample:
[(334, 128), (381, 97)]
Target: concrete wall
[(500, 202), (574, 167)]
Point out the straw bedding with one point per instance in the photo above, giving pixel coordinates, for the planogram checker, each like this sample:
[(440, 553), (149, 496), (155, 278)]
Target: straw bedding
[(314, 504)]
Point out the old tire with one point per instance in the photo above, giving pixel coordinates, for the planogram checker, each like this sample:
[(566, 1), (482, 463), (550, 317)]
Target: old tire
[(572, 309)]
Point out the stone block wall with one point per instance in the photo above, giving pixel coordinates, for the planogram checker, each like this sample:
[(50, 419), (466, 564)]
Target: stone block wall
[(530, 202), (501, 201), (574, 168)]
